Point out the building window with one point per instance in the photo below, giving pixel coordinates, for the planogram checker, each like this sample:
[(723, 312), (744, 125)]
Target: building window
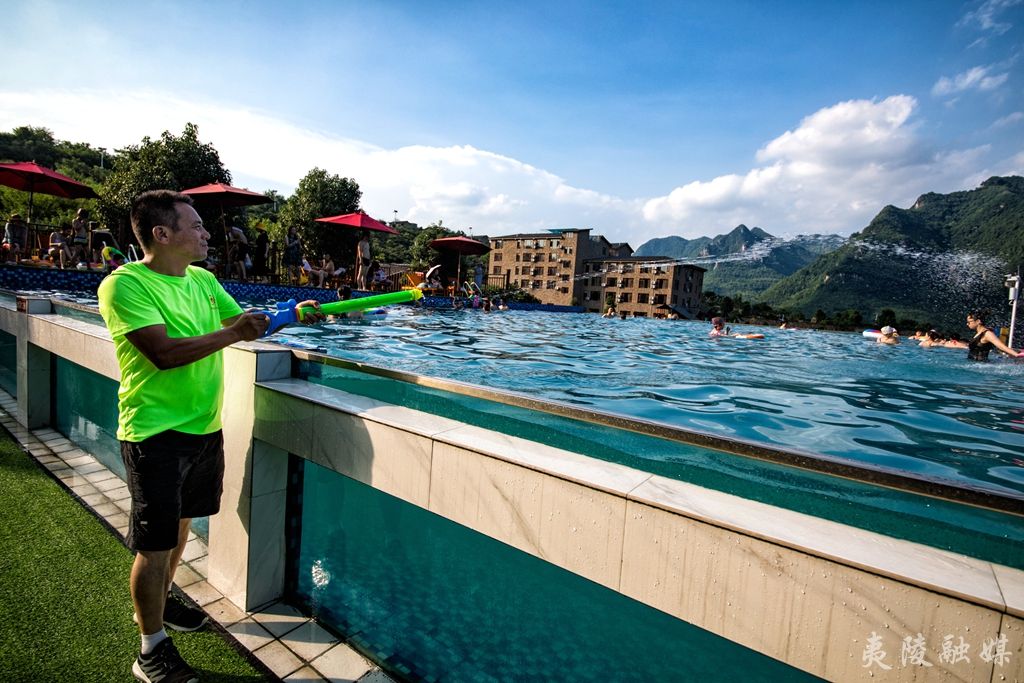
[(586, 267), (659, 284), (627, 282), (517, 256), (551, 284), (644, 282), (497, 244), (610, 282), (643, 298), (689, 288), (496, 256), (659, 298), (625, 297), (496, 270)]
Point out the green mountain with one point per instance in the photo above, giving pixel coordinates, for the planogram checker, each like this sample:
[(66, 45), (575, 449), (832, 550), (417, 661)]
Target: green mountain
[(749, 260), (737, 240), (932, 262)]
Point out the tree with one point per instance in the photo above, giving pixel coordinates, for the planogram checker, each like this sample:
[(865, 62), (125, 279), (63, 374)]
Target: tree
[(74, 159), (886, 316), (28, 143), (318, 195), (170, 163), (397, 248), (421, 254)]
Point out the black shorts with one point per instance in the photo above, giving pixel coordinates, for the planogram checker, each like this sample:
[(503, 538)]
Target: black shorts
[(171, 476)]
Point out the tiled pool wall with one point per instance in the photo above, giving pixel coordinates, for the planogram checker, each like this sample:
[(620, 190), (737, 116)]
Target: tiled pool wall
[(519, 551)]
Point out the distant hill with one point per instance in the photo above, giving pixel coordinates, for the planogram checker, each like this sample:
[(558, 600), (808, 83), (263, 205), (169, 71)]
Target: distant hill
[(751, 259), (738, 239), (932, 262)]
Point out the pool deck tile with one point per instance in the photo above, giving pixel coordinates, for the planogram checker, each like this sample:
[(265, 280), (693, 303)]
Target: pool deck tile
[(342, 663), (279, 658), (224, 612), (299, 641), (309, 641), (203, 593)]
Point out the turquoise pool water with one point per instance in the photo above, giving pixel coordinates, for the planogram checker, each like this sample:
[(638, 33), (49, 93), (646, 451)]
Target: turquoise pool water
[(434, 601), (927, 411)]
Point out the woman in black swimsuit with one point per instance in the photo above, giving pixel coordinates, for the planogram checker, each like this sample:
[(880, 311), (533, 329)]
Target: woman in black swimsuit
[(984, 340)]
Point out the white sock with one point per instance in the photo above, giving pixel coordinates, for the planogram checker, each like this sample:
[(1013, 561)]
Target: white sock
[(150, 642)]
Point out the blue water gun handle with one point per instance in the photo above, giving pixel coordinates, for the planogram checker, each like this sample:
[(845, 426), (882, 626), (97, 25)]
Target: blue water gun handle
[(284, 314)]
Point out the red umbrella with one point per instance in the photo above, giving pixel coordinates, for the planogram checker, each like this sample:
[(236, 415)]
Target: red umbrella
[(226, 195), (358, 220), (462, 246), (30, 177)]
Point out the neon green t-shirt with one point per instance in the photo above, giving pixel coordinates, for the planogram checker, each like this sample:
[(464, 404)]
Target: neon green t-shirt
[(187, 399)]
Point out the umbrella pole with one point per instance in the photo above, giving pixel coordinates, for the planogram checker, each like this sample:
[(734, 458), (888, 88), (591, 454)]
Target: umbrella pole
[(226, 273)]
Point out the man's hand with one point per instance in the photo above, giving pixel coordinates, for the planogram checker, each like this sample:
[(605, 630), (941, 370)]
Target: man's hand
[(311, 312), (250, 325)]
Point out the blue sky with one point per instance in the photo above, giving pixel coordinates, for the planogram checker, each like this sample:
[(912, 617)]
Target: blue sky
[(639, 120)]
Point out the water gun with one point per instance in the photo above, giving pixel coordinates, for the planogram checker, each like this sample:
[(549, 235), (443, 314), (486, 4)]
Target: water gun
[(287, 312)]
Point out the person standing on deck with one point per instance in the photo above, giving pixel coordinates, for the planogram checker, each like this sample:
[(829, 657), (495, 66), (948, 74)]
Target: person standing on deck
[(169, 322), (363, 261)]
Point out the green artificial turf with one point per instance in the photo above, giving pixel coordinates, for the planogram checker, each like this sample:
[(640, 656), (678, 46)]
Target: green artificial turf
[(65, 610)]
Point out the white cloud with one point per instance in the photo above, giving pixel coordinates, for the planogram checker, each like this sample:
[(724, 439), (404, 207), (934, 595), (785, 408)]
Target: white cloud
[(986, 16), (1009, 120), (976, 78), (831, 173)]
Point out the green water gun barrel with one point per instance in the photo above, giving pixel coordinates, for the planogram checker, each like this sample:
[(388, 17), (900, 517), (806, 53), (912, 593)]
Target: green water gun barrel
[(365, 302)]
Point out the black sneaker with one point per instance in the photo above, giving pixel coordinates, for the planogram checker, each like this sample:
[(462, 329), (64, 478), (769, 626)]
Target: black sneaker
[(163, 665), (178, 615)]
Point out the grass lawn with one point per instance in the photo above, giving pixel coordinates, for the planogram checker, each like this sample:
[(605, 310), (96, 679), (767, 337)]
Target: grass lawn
[(65, 610)]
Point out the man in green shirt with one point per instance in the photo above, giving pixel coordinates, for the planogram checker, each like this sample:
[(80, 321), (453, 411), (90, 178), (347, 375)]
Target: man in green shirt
[(170, 321)]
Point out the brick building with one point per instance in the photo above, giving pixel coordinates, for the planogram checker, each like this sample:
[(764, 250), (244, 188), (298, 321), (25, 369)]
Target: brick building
[(565, 267)]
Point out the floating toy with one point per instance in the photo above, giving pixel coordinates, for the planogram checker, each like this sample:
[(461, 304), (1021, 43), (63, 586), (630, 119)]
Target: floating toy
[(872, 334), (288, 312), (112, 257)]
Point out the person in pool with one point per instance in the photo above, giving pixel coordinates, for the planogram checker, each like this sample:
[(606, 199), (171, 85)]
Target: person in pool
[(889, 335), (931, 338), (718, 328), (344, 294), (954, 342), (984, 339)]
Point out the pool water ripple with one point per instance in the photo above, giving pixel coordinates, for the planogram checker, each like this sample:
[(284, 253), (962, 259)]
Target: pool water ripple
[(923, 410)]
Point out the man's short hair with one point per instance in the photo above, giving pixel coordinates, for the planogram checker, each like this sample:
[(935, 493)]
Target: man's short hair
[(153, 208)]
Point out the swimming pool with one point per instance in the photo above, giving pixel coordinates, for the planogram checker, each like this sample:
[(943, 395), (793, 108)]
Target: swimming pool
[(925, 411)]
